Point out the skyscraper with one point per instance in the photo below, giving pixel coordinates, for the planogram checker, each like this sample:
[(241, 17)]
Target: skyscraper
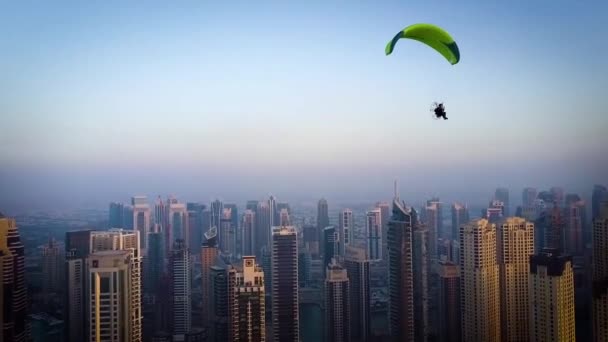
[(449, 302), (160, 213), (479, 282), (599, 195), (110, 307), (128, 218), (227, 234), (209, 253), (196, 227), (52, 267), (551, 289), (502, 194), (274, 213), (262, 228), (600, 273), (460, 216), (434, 223), (421, 264), (116, 218), (495, 211), (357, 269), (373, 228), (322, 222), (248, 229), (247, 302), (337, 304), (385, 216), (178, 224), (554, 227), (574, 223), (180, 289), (400, 278), (124, 240), (219, 308), (304, 267), (515, 246), (285, 305), (77, 248), (154, 267), (217, 208), (345, 228), (311, 240), (558, 195), (141, 218), (528, 197), (331, 243), (13, 291), (284, 219)]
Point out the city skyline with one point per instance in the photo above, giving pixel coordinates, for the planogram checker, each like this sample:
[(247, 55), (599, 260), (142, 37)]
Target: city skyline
[(95, 93)]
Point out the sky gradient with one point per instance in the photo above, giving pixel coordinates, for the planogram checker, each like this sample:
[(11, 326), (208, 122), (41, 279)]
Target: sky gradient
[(204, 99)]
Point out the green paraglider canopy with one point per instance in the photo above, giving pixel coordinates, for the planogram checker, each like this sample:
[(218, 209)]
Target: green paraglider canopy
[(432, 36)]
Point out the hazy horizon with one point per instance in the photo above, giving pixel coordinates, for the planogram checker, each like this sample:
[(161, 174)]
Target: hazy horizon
[(99, 102)]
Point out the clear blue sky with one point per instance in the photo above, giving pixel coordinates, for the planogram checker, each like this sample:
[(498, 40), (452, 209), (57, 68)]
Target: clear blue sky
[(217, 98)]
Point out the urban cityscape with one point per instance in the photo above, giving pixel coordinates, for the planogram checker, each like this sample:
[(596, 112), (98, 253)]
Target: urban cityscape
[(303, 171), (163, 269)]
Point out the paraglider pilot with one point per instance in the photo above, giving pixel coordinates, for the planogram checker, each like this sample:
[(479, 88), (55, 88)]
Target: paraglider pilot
[(440, 112)]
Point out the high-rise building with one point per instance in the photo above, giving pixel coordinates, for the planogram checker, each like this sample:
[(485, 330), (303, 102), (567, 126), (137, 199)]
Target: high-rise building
[(599, 195), (13, 292), (251, 205), (479, 282), (234, 214), (345, 228), (554, 223), (551, 289), (178, 224), (284, 205), (52, 267), (460, 216), (304, 267), (247, 308), (77, 248), (515, 245), (337, 304), (421, 264), (248, 229), (124, 240), (209, 253), (217, 208), (331, 243), (220, 318), (110, 300), (284, 219), (528, 197), (116, 218), (181, 292), (322, 222), (357, 269), (285, 305), (311, 240), (141, 218), (196, 227), (558, 195), (600, 273), (495, 211), (449, 302), (161, 213), (154, 266), (227, 234), (262, 228), (400, 277), (502, 194), (128, 218), (575, 222), (274, 213), (434, 221), (373, 228), (385, 216)]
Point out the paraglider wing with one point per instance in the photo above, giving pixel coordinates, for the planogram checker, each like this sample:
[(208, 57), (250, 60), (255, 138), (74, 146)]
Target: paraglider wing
[(432, 36)]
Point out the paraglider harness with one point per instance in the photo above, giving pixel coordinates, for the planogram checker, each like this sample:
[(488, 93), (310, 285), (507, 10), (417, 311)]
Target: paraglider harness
[(440, 111)]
